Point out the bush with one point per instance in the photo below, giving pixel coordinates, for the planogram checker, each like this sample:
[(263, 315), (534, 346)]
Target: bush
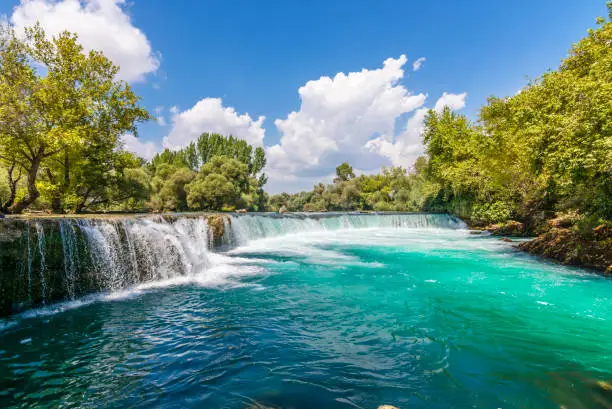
[(495, 212)]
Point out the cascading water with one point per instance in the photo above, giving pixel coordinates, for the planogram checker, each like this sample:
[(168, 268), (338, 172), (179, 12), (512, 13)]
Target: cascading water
[(40, 233), (248, 227), (69, 258)]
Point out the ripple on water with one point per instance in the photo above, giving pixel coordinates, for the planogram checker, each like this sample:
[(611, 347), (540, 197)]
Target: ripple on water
[(416, 318)]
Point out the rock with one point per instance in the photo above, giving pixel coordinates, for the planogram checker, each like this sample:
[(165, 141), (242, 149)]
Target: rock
[(602, 232), (387, 407), (573, 248), (242, 211), (605, 386), (475, 231), (216, 223), (564, 220), (507, 240), (283, 209), (510, 228)]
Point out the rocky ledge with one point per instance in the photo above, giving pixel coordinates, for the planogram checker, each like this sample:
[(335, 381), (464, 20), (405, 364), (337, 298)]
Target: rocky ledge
[(568, 246)]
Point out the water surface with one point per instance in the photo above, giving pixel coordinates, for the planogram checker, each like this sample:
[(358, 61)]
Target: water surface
[(417, 317)]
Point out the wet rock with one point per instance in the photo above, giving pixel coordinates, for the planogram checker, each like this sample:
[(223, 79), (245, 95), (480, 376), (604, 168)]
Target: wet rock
[(242, 211), (604, 386), (602, 232), (507, 240), (564, 220), (510, 228), (283, 209), (216, 224), (574, 248)]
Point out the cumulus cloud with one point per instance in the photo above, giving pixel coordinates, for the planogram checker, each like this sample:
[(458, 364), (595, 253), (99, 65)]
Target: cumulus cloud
[(100, 24), (408, 145), (209, 115), (351, 117), (453, 101), (416, 64), (337, 118), (145, 150)]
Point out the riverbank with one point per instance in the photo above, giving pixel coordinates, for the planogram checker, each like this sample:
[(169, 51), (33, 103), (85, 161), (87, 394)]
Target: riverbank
[(562, 241), (570, 247)]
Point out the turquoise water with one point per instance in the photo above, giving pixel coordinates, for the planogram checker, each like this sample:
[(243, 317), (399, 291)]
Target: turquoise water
[(413, 317)]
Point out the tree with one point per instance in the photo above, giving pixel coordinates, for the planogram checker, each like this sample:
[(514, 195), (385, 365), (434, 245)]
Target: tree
[(200, 153), (168, 187), (219, 184), (211, 192), (344, 172), (59, 107)]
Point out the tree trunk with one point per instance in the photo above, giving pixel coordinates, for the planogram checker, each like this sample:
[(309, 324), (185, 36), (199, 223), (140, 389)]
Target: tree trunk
[(83, 203), (33, 192), (12, 186)]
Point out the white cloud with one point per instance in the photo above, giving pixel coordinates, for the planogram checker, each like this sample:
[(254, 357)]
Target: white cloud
[(100, 24), (209, 115), (453, 101), (337, 117), (348, 117), (408, 145), (416, 64), (145, 150)]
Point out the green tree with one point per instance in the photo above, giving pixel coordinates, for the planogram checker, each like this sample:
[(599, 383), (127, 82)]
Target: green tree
[(168, 187), (58, 106), (220, 184), (344, 172)]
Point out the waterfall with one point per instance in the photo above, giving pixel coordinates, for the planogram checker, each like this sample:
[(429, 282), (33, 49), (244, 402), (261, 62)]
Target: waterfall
[(40, 233), (29, 261), (126, 252), (71, 257), (250, 227), (65, 259)]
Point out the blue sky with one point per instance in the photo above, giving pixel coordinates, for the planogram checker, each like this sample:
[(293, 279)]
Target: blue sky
[(255, 56)]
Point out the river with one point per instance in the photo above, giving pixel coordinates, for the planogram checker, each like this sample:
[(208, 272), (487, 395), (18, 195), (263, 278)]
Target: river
[(323, 312)]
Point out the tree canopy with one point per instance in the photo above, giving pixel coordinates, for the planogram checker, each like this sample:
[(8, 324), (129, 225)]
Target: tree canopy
[(62, 113)]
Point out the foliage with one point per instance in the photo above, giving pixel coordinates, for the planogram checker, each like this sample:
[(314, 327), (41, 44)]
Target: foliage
[(495, 212), (225, 174), (344, 173), (168, 187), (218, 185), (207, 146), (62, 113)]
